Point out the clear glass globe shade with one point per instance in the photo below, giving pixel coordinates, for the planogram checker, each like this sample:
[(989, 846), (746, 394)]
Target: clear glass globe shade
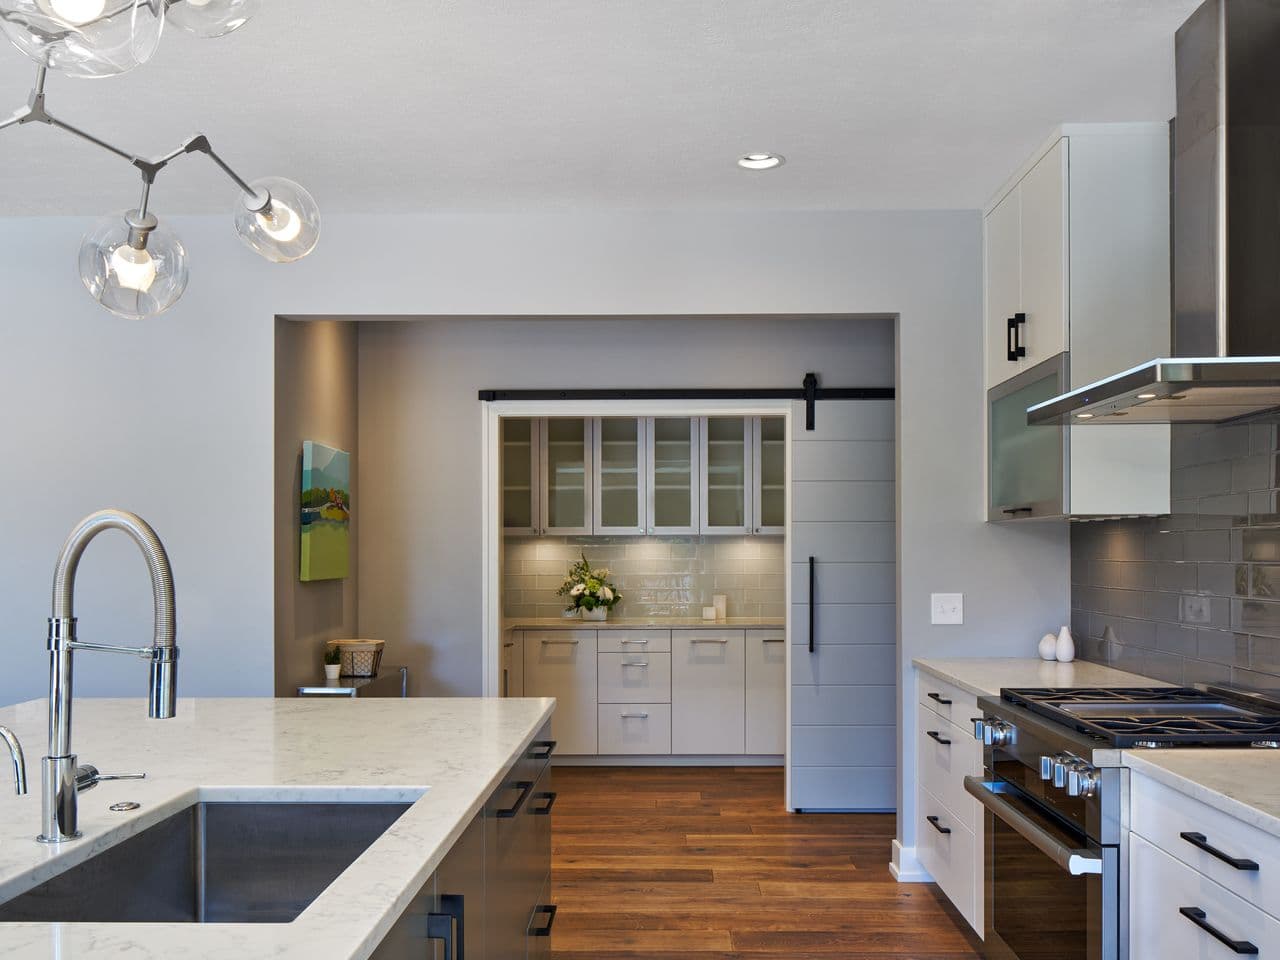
[(287, 229), (131, 282), (211, 18), (85, 38)]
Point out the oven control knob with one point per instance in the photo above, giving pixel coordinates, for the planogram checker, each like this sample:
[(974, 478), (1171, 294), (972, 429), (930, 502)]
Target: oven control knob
[(1046, 768), (998, 733), (1082, 780), (979, 728), (1060, 764)]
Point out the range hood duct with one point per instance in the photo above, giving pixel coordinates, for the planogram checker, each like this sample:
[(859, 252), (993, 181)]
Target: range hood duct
[(1226, 235)]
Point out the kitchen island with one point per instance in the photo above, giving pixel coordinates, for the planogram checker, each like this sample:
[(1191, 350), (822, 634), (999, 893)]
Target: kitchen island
[(447, 760)]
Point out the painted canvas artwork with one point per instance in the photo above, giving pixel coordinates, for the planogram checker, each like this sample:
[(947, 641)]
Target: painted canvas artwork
[(325, 511)]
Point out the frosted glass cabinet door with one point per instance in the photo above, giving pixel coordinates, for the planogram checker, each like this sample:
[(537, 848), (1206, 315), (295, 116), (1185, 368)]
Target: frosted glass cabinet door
[(769, 498), (566, 486), (726, 469), (520, 499), (673, 474), (1025, 472), (620, 499)]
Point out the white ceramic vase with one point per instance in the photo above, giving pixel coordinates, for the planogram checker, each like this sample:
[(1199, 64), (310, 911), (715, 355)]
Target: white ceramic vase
[(1066, 646), (598, 614), (1048, 647), (332, 671)]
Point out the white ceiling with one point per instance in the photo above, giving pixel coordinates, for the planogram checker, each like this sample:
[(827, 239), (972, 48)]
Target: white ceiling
[(420, 105)]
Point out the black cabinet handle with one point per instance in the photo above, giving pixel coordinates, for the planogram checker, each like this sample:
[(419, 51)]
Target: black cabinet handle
[(1197, 916), (1199, 840), (524, 786), (933, 821), (934, 735), (939, 698), (549, 911), (1014, 511), (447, 926), (813, 577), (550, 797), (542, 749), (1013, 342)]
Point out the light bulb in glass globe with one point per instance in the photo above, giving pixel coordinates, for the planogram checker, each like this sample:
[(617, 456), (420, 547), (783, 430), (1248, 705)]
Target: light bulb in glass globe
[(85, 38), (132, 265), (281, 222), (211, 18)]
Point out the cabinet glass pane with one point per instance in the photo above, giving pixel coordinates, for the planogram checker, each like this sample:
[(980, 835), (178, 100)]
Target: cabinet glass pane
[(672, 472), (726, 471), (1026, 461), (517, 473), (619, 472), (773, 471), (566, 473)]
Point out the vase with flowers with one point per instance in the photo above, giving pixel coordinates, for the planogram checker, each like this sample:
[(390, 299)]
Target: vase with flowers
[(589, 592)]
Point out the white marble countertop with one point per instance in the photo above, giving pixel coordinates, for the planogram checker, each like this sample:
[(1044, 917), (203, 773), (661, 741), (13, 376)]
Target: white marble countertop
[(1243, 783), (445, 756), (986, 676), (640, 623)]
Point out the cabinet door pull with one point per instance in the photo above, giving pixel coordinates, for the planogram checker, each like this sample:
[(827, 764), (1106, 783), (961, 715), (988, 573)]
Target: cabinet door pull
[(934, 735), (632, 641), (1202, 842), (542, 749), (571, 642), (773, 640), (939, 699), (633, 716), (813, 577), (524, 786), (709, 640), (550, 798), (448, 925), (1016, 349), (549, 911), (637, 663), (933, 822), (1198, 917)]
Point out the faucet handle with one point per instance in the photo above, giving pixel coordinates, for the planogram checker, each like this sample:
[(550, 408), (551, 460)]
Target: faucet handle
[(88, 777)]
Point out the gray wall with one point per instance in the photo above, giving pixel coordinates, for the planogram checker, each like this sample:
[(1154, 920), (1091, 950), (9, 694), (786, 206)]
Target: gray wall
[(1195, 596), (315, 399), (171, 415)]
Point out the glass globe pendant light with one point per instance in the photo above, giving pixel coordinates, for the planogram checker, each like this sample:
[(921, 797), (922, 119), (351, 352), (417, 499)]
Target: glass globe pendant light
[(209, 18), (85, 38), (132, 265), (279, 220)]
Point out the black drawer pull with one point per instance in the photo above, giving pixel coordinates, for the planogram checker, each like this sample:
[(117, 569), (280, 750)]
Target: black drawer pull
[(1197, 916), (524, 786), (448, 925), (542, 749), (1014, 511), (550, 797), (1199, 840), (933, 821), (939, 698), (934, 735), (549, 911)]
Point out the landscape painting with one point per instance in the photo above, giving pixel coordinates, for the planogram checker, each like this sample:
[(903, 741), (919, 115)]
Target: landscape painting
[(325, 512)]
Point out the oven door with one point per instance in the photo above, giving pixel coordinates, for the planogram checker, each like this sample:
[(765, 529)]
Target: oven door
[(1051, 892)]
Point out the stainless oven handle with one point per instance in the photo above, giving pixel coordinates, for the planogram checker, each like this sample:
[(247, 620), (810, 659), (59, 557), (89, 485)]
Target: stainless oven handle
[(1075, 862)]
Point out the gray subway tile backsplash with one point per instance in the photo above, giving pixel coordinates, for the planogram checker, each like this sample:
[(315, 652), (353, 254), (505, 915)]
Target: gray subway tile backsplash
[(1193, 597)]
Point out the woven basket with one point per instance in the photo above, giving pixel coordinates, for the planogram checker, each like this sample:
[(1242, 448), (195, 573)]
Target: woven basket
[(360, 658)]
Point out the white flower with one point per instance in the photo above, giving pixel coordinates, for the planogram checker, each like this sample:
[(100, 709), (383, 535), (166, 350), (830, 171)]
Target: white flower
[(606, 594), (578, 590)]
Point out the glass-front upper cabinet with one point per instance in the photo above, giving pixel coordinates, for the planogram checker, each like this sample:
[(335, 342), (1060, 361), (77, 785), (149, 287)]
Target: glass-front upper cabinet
[(769, 497), (521, 501), (566, 491), (726, 472), (1025, 474), (673, 475), (620, 453)]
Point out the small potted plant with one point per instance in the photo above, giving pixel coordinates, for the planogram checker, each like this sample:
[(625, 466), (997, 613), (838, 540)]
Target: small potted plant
[(332, 663), (591, 594)]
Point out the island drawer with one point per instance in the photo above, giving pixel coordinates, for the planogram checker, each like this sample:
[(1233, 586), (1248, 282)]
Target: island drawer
[(635, 728), (642, 677), (635, 641)]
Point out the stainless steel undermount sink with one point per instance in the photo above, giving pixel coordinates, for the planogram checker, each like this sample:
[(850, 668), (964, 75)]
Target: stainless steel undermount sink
[(225, 862)]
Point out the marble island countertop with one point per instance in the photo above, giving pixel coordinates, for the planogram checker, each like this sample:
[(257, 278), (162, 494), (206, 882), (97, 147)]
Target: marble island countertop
[(644, 623), (444, 756)]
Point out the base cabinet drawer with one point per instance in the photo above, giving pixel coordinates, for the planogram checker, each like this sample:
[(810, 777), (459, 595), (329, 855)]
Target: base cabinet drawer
[(945, 755), (643, 677), (1176, 913), (635, 641), (946, 699), (635, 728), (949, 851)]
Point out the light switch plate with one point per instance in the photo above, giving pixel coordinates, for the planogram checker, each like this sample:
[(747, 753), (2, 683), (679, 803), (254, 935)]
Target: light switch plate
[(947, 607)]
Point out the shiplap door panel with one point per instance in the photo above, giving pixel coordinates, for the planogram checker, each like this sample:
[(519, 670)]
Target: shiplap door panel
[(843, 701)]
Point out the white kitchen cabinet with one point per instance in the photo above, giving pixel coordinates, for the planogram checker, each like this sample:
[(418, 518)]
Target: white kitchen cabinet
[(562, 664), (521, 471), (726, 475), (708, 692), (1076, 277), (640, 677), (769, 475), (513, 663), (635, 729), (619, 495), (766, 704), (566, 476), (674, 480)]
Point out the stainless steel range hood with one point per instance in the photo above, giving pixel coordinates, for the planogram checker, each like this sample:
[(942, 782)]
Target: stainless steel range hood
[(1226, 236)]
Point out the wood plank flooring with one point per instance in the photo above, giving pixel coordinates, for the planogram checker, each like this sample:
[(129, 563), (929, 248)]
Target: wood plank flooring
[(704, 863)]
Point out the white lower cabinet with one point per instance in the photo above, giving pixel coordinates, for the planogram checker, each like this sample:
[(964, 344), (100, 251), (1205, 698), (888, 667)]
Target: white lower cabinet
[(643, 677), (708, 691), (766, 706), (512, 678), (638, 729), (562, 664), (948, 850)]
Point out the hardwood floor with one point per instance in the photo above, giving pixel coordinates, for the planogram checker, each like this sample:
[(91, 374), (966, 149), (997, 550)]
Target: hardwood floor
[(704, 863)]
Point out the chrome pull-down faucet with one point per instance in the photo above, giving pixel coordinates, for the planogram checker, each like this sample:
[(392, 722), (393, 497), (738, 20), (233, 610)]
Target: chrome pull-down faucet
[(19, 761), (59, 769)]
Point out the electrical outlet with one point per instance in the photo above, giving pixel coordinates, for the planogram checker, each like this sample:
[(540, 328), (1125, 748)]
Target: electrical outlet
[(947, 607)]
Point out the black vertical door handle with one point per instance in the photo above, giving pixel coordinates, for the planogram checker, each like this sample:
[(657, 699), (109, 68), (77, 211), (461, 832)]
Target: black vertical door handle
[(1016, 348), (813, 579), (447, 926)]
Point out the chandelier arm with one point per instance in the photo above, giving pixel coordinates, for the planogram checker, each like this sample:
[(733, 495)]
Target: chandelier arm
[(83, 135), (255, 200)]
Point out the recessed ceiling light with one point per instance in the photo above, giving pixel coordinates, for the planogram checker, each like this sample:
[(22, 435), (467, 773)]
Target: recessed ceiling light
[(761, 161), (1084, 416), (1146, 396)]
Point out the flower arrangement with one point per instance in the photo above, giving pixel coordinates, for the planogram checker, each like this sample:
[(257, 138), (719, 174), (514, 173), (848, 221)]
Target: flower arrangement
[(588, 589)]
